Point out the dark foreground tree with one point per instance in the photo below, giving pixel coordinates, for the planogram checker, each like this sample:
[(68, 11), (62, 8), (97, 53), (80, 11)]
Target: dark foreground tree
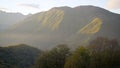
[(54, 58), (100, 53), (104, 53)]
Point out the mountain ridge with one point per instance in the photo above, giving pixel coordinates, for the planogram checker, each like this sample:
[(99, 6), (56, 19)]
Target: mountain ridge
[(7, 19), (38, 28)]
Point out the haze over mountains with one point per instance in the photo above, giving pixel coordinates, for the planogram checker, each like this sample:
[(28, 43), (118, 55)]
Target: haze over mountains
[(8, 19), (63, 25)]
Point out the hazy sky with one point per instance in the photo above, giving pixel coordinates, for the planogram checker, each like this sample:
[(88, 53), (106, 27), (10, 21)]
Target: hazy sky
[(34, 6)]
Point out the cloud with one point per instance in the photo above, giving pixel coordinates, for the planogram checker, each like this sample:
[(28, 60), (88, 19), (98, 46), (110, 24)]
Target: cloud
[(3, 9), (113, 4), (33, 6)]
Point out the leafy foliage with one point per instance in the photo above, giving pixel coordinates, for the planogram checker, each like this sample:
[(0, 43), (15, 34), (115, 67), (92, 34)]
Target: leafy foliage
[(54, 58), (79, 59), (100, 53), (104, 53)]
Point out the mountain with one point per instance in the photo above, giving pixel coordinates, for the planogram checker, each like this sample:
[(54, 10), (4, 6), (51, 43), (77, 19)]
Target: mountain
[(8, 19), (18, 56), (74, 26)]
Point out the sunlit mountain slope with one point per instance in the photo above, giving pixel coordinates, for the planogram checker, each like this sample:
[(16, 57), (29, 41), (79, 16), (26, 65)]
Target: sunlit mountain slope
[(63, 25)]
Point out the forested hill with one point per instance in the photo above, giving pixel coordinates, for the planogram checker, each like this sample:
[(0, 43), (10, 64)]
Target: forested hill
[(18, 56)]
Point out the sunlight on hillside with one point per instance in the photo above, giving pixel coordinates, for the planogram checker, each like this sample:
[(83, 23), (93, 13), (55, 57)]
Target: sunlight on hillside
[(91, 28), (52, 18)]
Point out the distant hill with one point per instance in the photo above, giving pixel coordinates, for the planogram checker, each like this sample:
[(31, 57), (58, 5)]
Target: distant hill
[(58, 25), (8, 19), (18, 56)]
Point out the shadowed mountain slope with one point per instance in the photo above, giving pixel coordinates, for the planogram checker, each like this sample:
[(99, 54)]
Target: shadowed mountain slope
[(64, 25)]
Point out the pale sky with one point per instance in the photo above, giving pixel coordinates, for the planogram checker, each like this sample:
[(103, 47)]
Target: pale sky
[(34, 6)]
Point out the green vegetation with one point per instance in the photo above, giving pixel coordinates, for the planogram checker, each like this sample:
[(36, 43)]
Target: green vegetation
[(99, 53), (104, 53), (79, 59), (20, 56), (54, 58)]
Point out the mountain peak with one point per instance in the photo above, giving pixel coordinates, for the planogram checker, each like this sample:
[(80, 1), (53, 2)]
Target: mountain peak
[(78, 7), (90, 7), (62, 8), (60, 25), (87, 6)]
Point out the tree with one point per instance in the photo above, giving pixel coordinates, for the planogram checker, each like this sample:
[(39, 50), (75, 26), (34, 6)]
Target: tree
[(54, 58), (105, 53), (79, 59)]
